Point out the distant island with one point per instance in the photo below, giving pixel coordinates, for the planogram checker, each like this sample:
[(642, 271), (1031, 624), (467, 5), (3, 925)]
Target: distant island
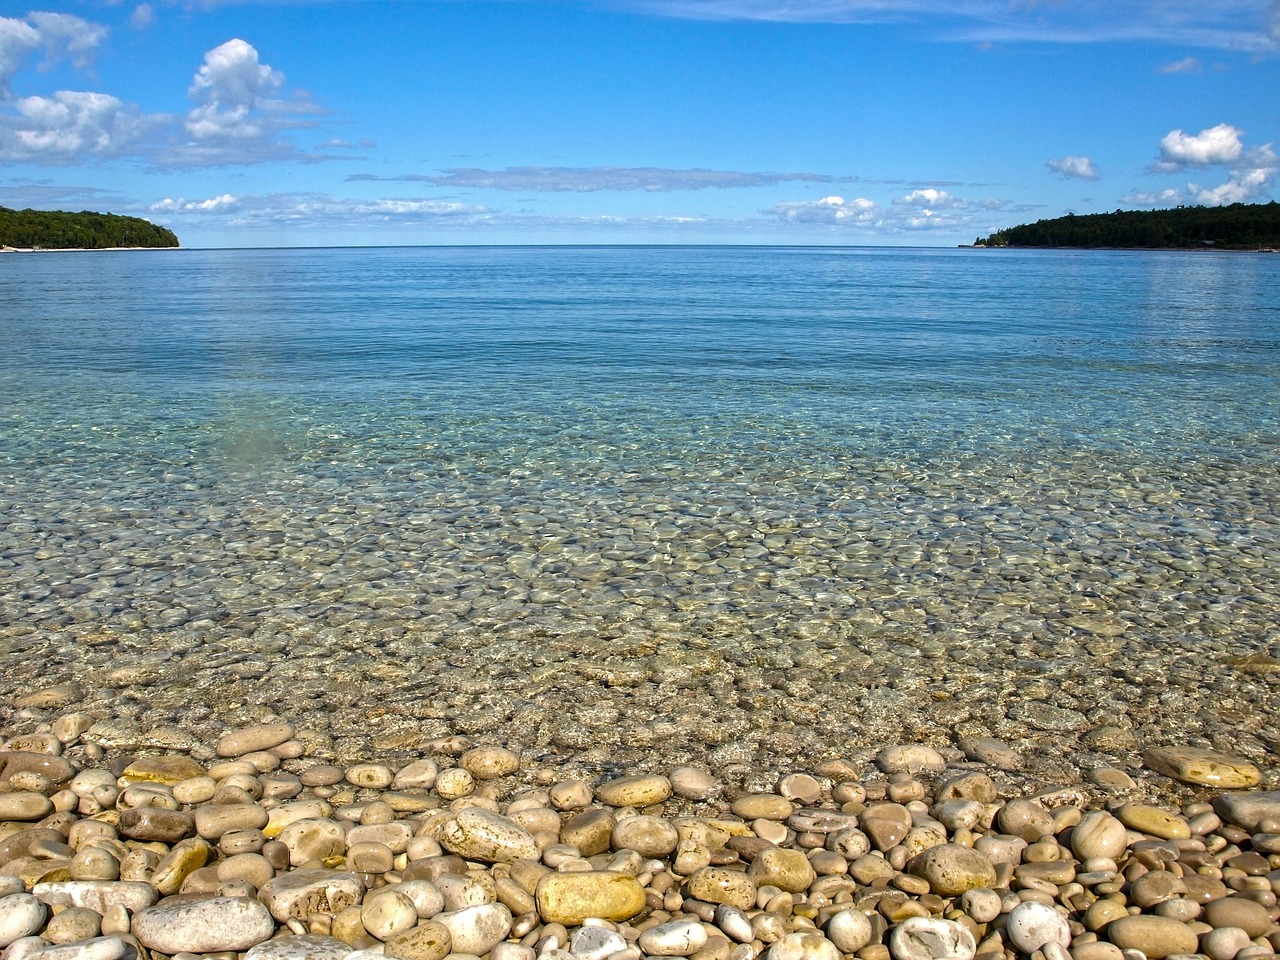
[(58, 230), (1241, 226)]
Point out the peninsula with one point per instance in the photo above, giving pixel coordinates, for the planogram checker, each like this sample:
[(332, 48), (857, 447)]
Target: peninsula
[(1240, 226), (58, 230)]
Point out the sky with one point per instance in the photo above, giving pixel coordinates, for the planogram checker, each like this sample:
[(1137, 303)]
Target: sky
[(868, 122)]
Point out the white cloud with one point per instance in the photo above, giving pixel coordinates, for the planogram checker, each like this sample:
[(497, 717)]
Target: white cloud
[(70, 127), (593, 179), (1220, 144), (239, 117), (1251, 171), (67, 36), (62, 36), (1162, 198), (833, 210), (305, 210), (1223, 24), (143, 16), (1074, 168), (924, 208), (1185, 65)]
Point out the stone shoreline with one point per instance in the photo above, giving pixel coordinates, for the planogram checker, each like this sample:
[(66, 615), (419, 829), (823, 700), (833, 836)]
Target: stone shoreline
[(254, 846)]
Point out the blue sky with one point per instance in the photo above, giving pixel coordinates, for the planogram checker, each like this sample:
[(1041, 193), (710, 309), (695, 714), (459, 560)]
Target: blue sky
[(317, 122)]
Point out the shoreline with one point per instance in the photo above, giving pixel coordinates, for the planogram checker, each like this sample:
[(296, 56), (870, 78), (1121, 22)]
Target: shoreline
[(8, 249)]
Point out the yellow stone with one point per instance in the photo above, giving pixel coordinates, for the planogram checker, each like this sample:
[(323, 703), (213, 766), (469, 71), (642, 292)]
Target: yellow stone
[(185, 857), (167, 770), (570, 898), (429, 940), (1200, 767), (1154, 821)]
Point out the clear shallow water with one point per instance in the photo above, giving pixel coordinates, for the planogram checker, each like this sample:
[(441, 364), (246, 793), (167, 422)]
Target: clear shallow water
[(728, 504)]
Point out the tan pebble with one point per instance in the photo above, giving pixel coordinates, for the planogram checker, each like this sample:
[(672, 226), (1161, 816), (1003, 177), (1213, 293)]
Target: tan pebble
[(280, 817), (537, 820), (721, 886), (1224, 943), (1025, 819), (1156, 887), (693, 783), (1097, 950), (303, 893), (465, 891), (263, 761), (261, 736), (570, 795), (637, 791), (1098, 834), (418, 775), (786, 869), (387, 912), (455, 783), (1102, 912), (370, 857), (762, 806), (94, 863), (313, 838), (322, 775), (185, 857), (800, 788), (369, 776), (910, 758), (1201, 767), (428, 940), (395, 835), (1153, 821), (570, 898), (490, 762), (651, 837), (1157, 937), (774, 831), (1249, 915), (251, 868), (24, 806), (199, 789), (950, 869), (590, 832)]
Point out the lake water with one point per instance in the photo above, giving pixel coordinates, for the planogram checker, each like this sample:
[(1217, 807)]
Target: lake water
[(743, 506)]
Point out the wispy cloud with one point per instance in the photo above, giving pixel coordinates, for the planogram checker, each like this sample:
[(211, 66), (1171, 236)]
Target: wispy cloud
[(594, 179), (60, 35), (1074, 168), (315, 210), (1232, 24), (1185, 65)]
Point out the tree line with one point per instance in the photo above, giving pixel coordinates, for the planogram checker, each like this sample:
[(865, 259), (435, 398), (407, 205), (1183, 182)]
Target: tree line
[(1240, 226), (59, 230)]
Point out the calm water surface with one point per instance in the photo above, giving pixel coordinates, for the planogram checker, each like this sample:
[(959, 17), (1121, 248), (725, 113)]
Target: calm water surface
[(728, 504)]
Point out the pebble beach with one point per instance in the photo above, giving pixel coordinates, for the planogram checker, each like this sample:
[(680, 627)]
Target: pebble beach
[(253, 847)]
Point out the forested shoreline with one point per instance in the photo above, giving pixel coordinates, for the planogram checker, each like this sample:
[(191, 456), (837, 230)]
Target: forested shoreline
[(1240, 226), (60, 230)]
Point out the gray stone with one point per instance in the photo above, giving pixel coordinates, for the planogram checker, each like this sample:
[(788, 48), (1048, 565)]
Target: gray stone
[(306, 947), (21, 915), (214, 925), (302, 893)]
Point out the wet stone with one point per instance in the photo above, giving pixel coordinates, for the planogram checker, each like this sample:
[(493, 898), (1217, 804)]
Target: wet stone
[(1199, 767)]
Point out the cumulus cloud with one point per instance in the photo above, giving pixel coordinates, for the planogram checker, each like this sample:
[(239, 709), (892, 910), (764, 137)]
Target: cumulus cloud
[(1220, 144), (240, 115), (70, 127), (1224, 24), (832, 210), (593, 179), (1074, 168), (1250, 171)]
